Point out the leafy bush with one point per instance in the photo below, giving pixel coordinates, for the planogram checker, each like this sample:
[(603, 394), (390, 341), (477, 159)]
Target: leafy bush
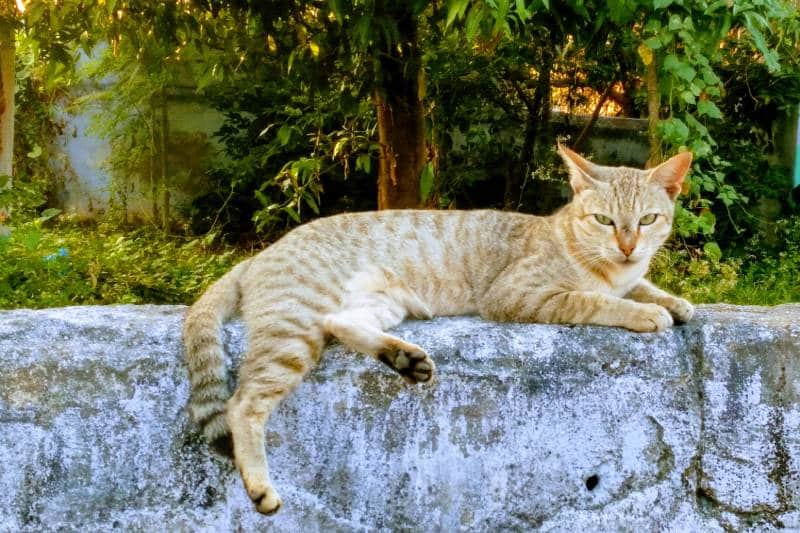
[(70, 264), (761, 275)]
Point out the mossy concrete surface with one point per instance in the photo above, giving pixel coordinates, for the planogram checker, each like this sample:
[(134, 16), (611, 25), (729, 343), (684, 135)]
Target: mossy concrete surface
[(527, 427)]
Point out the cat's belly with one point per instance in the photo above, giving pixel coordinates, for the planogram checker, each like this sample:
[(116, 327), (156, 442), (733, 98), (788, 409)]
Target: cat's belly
[(449, 299)]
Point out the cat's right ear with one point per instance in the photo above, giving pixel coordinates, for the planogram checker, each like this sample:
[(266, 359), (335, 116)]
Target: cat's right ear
[(580, 170)]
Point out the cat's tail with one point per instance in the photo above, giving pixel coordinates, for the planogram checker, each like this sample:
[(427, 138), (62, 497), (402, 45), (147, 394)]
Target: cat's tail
[(202, 330)]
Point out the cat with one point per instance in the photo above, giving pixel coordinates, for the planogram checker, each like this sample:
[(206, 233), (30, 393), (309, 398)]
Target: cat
[(353, 276)]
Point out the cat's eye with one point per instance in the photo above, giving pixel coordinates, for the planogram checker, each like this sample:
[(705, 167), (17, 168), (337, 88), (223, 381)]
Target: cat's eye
[(648, 219), (604, 220)]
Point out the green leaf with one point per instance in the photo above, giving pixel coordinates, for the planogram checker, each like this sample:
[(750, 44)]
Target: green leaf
[(475, 18), (47, 214), (284, 134), (654, 43), (426, 182), (309, 198), (706, 222), (661, 4), (292, 213), (679, 68), (710, 77), (696, 125), (31, 239), (455, 9), (688, 97), (364, 162), (675, 23), (337, 148), (713, 6), (674, 131), (708, 108), (712, 251), (35, 152)]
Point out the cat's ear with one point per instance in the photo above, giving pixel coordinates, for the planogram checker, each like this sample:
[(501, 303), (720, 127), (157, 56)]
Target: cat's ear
[(670, 173), (580, 170)]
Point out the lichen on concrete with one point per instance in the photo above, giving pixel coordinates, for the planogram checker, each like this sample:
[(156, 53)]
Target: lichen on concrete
[(526, 427)]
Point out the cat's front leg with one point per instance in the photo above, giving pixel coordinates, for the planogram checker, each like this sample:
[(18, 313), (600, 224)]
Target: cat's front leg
[(578, 307), (680, 309), (587, 307)]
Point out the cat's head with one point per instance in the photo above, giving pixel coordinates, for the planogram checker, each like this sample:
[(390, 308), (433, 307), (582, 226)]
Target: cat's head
[(622, 215)]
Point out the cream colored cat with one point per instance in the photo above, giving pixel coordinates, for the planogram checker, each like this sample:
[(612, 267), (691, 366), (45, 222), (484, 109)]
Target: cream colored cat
[(354, 276)]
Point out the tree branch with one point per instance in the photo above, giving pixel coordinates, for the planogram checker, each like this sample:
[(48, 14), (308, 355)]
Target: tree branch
[(582, 136)]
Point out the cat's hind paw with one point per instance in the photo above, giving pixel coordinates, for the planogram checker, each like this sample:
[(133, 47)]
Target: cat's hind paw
[(410, 362), (266, 500)]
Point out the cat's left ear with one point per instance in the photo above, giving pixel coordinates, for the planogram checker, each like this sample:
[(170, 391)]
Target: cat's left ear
[(670, 173), (580, 170)]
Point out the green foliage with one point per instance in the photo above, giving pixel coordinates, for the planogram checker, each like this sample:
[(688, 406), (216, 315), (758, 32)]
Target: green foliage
[(694, 40), (296, 81), (48, 265), (762, 274)]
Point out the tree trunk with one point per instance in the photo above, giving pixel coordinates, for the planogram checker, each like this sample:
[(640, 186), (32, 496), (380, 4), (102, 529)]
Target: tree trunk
[(164, 166), (653, 112), (401, 120), (536, 136), (7, 80), (153, 157)]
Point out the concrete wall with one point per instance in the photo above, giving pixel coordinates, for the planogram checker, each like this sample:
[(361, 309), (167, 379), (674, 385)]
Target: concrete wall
[(526, 427), (82, 156)]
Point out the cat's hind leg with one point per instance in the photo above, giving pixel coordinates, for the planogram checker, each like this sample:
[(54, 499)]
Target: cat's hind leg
[(361, 326), (274, 364)]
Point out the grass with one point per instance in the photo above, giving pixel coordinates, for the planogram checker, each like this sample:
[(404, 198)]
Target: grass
[(70, 263)]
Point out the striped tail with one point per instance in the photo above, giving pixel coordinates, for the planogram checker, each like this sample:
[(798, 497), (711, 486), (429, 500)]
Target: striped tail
[(202, 330)]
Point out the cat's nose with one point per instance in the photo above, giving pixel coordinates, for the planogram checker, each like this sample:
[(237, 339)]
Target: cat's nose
[(627, 248)]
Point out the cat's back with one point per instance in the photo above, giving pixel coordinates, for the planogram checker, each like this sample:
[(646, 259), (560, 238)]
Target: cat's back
[(428, 249), (374, 231)]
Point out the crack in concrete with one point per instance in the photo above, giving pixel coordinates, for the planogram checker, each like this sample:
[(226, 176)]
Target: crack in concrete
[(695, 477)]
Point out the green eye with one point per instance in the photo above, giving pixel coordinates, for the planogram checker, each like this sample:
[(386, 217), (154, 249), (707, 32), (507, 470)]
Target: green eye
[(648, 219), (604, 220)]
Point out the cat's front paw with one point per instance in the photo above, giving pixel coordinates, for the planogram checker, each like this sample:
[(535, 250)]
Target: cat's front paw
[(651, 318), (681, 310)]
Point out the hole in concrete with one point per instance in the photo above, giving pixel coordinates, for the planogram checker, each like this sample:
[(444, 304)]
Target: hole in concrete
[(592, 481)]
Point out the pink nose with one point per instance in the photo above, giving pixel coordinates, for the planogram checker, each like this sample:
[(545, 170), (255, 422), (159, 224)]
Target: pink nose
[(626, 248)]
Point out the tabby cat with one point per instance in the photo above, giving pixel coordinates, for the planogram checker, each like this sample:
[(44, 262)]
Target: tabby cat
[(354, 276)]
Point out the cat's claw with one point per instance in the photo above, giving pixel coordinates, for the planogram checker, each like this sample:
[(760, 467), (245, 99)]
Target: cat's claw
[(414, 365)]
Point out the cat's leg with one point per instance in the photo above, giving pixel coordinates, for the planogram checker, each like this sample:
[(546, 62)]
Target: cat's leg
[(574, 307), (680, 309), (273, 366), (362, 328)]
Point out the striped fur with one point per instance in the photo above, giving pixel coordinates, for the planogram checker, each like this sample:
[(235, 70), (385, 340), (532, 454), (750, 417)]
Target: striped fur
[(354, 276)]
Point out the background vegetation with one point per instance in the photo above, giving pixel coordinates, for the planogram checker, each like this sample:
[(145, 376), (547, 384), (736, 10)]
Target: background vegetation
[(321, 99)]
